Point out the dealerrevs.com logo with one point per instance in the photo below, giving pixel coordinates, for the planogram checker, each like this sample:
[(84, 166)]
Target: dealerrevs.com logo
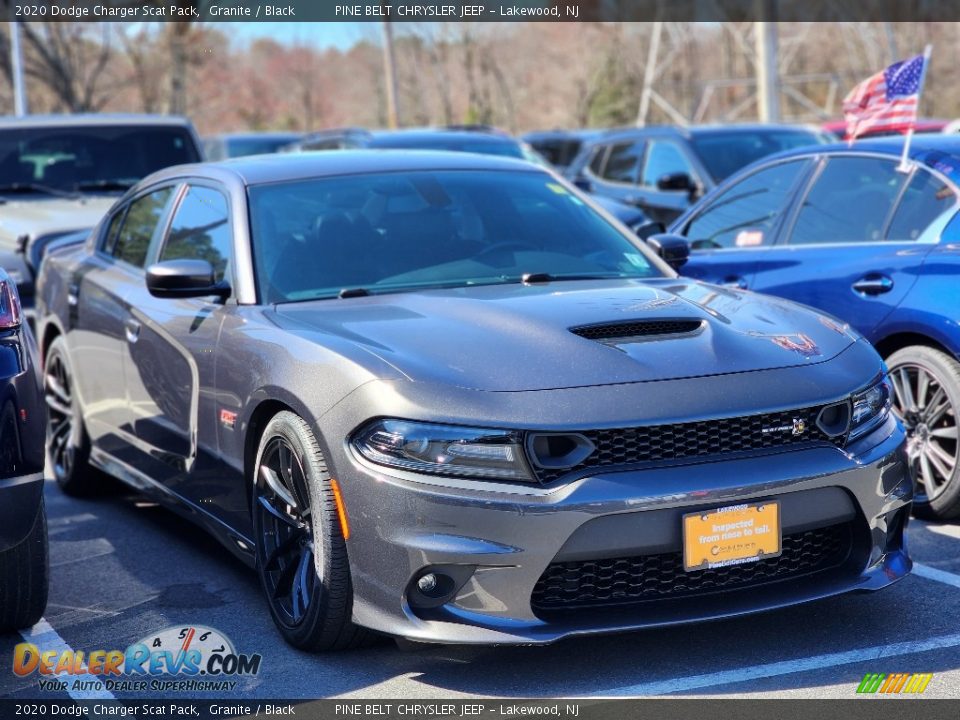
[(191, 658), (894, 683)]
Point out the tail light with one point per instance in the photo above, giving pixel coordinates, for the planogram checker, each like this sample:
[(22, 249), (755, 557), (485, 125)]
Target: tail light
[(9, 306)]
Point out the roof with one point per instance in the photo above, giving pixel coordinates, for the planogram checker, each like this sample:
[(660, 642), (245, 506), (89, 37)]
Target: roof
[(267, 135), (693, 130), (259, 169), (92, 119), (560, 134), (938, 151), (401, 138)]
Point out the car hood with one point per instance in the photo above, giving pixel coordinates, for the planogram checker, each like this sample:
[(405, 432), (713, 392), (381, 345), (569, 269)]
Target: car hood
[(519, 337), (36, 217)]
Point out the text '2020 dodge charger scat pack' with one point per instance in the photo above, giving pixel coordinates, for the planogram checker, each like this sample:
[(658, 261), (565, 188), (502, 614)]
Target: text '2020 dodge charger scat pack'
[(443, 397)]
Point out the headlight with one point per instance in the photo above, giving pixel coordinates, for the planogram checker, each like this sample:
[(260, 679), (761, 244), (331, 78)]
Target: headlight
[(445, 450), (870, 407)]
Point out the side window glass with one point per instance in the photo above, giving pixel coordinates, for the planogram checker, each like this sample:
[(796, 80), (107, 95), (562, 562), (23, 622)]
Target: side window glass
[(622, 163), (201, 230), (925, 199), (140, 224), (113, 229), (746, 213), (849, 202), (596, 162), (663, 158)]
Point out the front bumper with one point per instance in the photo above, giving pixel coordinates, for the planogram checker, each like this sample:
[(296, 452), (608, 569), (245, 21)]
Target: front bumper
[(497, 545)]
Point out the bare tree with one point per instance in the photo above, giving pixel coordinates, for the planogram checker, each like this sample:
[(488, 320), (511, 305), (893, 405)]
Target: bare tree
[(69, 59)]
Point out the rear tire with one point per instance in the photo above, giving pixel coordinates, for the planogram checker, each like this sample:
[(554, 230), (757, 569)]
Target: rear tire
[(927, 398), (68, 446), (25, 578), (301, 553)]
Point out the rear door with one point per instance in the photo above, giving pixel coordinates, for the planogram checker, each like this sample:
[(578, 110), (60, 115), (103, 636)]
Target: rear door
[(98, 329), (858, 239), (171, 357), (739, 226)]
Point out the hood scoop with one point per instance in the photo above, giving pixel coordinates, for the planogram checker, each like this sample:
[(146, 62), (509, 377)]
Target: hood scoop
[(640, 330)]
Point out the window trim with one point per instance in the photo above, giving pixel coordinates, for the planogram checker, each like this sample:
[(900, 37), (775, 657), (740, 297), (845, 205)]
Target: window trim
[(164, 220), (154, 253), (822, 159)]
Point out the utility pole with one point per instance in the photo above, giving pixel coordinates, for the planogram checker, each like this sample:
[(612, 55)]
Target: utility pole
[(390, 74), (16, 64), (768, 72), (649, 73)]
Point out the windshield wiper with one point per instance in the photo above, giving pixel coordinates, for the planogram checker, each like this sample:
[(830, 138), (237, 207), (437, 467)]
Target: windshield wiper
[(353, 292), (105, 185), (31, 187), (543, 277)]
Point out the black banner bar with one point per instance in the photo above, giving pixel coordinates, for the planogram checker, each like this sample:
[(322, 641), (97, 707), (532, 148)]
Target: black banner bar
[(478, 10), (889, 708)]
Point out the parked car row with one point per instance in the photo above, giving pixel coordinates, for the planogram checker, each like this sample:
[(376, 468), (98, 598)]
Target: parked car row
[(450, 396)]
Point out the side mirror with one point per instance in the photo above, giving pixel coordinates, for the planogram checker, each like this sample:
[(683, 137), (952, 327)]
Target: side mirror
[(677, 181), (648, 229), (582, 183), (184, 278), (672, 249)]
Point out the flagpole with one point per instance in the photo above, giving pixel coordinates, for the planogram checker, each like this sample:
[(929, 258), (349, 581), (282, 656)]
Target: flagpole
[(904, 165)]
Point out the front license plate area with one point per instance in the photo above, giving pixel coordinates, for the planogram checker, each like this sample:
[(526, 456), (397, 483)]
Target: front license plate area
[(731, 535)]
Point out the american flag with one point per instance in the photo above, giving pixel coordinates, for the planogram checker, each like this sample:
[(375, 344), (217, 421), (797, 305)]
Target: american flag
[(887, 100)]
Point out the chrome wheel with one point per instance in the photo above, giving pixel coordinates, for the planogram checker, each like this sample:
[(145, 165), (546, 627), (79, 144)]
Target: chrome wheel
[(60, 426), (922, 404), (286, 549)]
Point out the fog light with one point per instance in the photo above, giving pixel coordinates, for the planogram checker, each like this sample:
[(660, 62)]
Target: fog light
[(427, 584)]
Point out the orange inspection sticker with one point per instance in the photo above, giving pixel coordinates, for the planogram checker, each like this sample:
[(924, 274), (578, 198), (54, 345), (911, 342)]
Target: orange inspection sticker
[(731, 536), (749, 238)]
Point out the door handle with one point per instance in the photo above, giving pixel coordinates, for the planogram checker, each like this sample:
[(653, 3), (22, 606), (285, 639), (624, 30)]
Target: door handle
[(734, 281), (132, 329), (873, 285), (73, 295)]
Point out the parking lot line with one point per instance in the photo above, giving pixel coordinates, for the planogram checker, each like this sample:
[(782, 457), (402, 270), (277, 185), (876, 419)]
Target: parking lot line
[(46, 638), (786, 667), (931, 573)]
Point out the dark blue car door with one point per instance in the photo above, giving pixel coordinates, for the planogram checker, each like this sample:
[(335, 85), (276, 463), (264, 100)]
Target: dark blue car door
[(737, 228), (857, 239)]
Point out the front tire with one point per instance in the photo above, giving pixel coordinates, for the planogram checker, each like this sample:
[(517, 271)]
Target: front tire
[(301, 552), (926, 398), (25, 578)]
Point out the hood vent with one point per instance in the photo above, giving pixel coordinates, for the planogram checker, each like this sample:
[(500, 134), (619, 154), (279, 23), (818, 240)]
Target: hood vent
[(638, 329)]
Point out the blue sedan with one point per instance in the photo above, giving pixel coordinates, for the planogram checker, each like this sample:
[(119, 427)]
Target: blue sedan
[(853, 232)]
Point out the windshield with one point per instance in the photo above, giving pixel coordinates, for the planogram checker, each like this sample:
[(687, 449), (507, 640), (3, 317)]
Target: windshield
[(723, 153), (392, 232), (90, 158)]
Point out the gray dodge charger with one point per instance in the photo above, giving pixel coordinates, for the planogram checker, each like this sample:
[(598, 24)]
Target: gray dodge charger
[(446, 398)]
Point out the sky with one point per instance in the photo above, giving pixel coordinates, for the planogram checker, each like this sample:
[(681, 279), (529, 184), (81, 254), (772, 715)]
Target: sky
[(339, 35)]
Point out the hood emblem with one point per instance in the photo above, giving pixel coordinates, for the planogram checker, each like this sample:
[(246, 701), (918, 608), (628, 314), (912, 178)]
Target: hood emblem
[(797, 427)]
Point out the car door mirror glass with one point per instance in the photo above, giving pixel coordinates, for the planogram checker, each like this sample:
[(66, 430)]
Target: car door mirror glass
[(676, 181)]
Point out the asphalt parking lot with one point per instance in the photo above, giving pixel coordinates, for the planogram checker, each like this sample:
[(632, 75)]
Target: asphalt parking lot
[(122, 568)]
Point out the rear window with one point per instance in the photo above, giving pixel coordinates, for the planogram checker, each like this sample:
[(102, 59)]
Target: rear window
[(723, 153)]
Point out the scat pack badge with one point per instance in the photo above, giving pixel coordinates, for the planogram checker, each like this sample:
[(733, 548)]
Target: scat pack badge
[(192, 652)]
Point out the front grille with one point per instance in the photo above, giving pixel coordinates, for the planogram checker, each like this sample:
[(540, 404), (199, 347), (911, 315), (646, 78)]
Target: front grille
[(637, 328), (619, 581), (631, 446)]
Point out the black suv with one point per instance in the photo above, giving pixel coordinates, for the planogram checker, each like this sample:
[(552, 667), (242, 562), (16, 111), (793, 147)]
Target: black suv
[(59, 174), (664, 169), (23, 417)]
